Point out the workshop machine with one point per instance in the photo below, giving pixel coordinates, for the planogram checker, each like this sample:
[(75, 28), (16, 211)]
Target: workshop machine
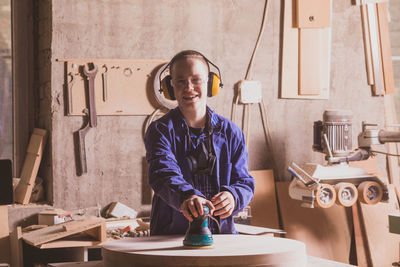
[(337, 181)]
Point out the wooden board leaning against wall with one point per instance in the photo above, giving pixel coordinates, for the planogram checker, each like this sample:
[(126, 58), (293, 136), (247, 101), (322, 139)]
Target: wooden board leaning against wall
[(375, 228), (326, 232), (379, 67), (377, 45), (4, 235), (264, 209)]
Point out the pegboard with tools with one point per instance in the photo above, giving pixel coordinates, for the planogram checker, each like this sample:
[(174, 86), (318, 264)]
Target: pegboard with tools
[(121, 86)]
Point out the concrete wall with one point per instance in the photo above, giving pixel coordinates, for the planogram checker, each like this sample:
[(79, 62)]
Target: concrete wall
[(394, 26), (6, 107), (225, 31)]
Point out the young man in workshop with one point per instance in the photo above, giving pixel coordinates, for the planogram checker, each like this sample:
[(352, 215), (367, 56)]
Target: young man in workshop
[(192, 133)]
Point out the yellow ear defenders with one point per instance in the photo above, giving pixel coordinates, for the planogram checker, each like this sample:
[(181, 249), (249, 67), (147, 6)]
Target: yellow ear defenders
[(214, 80)]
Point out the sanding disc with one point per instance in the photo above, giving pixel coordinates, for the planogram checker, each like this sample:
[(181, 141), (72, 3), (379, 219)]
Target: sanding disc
[(228, 250)]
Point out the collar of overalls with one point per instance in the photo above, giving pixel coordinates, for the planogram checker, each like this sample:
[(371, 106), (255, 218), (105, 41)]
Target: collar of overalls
[(213, 122)]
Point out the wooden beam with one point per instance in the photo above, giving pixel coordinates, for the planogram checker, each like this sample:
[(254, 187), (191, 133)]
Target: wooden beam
[(33, 227), (367, 45), (289, 79), (313, 13), (256, 230), (31, 165), (17, 259), (378, 86), (290, 53), (309, 62), (362, 250), (386, 50), (4, 235), (365, 2), (56, 232), (24, 77)]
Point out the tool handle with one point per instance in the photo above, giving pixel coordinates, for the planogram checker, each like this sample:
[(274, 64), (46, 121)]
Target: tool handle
[(92, 105), (82, 152), (206, 210), (80, 141)]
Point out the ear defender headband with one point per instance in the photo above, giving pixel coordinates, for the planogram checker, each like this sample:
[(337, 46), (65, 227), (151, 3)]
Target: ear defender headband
[(214, 80)]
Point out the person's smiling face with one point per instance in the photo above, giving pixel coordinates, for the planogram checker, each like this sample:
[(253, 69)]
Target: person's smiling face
[(189, 80)]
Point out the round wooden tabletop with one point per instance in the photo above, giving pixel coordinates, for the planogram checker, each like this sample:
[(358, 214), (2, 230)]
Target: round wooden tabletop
[(227, 250)]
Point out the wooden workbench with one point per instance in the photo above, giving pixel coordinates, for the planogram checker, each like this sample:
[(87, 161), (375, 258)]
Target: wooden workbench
[(311, 262), (228, 250)]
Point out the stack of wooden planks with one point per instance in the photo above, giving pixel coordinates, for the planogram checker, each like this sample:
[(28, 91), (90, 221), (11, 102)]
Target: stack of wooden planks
[(77, 234), (89, 232), (377, 47)]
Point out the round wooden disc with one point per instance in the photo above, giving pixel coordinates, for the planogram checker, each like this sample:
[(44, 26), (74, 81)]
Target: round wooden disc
[(228, 250)]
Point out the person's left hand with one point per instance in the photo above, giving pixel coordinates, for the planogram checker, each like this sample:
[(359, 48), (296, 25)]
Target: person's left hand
[(224, 204)]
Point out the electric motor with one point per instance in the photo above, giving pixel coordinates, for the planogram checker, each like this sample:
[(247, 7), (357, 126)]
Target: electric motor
[(336, 126)]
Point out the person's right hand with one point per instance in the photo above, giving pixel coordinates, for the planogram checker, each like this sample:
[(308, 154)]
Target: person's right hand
[(193, 207)]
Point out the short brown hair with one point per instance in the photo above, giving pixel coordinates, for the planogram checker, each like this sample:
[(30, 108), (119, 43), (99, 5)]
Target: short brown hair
[(187, 53)]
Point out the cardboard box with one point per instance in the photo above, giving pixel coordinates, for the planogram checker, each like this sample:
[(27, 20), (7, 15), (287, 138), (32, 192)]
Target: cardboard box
[(119, 210)]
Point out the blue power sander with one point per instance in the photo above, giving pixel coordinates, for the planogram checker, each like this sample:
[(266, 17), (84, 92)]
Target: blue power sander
[(198, 234)]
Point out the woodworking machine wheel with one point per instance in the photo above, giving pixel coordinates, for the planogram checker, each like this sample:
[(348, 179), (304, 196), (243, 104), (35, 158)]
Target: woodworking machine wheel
[(347, 194), (325, 196), (370, 192)]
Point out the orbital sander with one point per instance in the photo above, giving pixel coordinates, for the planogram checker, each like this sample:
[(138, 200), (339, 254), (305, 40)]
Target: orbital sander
[(198, 234)]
